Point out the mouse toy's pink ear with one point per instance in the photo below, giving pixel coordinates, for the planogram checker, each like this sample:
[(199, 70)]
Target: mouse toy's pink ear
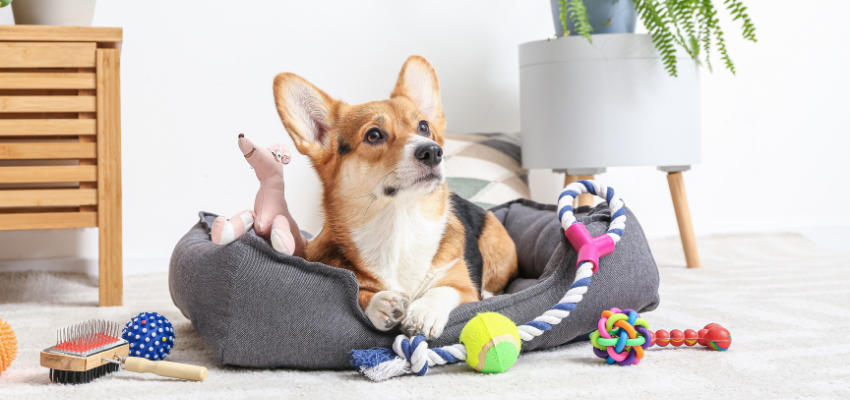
[(306, 112), (282, 152)]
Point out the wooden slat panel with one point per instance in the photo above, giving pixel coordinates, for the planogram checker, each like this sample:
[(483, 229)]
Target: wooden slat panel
[(41, 70), (111, 287), (15, 222), (43, 33), (47, 81), (47, 151), (43, 127), (87, 139), (39, 92), (30, 210), (46, 55), (62, 115), (63, 173), (13, 104), (48, 197)]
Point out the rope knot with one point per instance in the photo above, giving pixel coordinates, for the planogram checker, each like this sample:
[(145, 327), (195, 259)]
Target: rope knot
[(415, 351)]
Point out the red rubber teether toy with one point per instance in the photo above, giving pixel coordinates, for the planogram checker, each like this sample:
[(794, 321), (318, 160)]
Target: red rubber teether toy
[(712, 336)]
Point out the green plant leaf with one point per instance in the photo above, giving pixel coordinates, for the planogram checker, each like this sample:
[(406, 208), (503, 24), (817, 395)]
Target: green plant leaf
[(563, 16), (577, 12), (691, 24), (738, 11), (713, 25), (705, 35), (657, 22), (682, 13)]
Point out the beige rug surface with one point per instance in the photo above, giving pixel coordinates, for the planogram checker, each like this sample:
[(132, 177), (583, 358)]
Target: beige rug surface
[(785, 301)]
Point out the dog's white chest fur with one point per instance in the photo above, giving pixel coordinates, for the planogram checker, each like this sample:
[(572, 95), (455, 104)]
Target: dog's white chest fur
[(400, 243)]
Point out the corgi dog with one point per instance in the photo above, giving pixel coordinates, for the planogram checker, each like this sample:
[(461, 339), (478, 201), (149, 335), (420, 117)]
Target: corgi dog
[(417, 250)]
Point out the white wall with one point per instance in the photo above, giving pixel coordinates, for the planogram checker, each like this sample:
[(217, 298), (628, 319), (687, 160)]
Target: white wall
[(195, 74)]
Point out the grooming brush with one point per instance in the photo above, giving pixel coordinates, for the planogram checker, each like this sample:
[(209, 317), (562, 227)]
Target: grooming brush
[(92, 349)]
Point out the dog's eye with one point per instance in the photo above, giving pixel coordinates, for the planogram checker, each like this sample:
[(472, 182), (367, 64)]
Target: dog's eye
[(423, 128), (374, 136)]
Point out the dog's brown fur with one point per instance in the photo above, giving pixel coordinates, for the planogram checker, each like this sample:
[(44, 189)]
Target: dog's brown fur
[(352, 171)]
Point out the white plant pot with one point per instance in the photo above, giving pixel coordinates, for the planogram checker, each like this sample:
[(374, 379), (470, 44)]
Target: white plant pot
[(53, 12), (606, 104)]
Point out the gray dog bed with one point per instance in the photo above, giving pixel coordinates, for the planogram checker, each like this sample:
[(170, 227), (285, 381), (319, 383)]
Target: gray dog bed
[(258, 308)]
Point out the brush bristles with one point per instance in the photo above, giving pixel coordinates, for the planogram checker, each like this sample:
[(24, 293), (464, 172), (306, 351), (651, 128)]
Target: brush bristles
[(83, 332), (87, 337), (74, 377)]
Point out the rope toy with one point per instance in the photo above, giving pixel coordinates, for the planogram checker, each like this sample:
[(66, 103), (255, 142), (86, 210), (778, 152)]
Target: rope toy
[(8, 346), (150, 336), (622, 336), (412, 355)]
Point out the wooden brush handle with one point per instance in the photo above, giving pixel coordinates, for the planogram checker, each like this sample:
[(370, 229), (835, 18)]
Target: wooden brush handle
[(166, 368)]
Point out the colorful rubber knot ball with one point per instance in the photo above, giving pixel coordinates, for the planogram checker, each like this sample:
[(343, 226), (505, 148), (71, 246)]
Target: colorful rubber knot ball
[(150, 336), (8, 346), (621, 337)]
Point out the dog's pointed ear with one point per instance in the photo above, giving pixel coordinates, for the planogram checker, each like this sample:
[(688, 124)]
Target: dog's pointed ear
[(306, 112), (418, 82)]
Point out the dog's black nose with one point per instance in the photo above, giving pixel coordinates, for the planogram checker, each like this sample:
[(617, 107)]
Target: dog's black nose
[(429, 154)]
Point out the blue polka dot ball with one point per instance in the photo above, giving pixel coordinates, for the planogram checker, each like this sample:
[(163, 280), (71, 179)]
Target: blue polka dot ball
[(150, 336)]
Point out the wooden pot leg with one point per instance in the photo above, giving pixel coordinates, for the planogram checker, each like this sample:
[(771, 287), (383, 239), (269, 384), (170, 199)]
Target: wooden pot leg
[(568, 179), (583, 199), (683, 216), (587, 198)]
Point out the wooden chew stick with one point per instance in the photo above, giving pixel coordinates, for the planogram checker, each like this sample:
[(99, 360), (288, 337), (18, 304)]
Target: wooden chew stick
[(166, 368)]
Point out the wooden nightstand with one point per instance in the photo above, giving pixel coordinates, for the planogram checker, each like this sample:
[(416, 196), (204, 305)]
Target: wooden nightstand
[(60, 137)]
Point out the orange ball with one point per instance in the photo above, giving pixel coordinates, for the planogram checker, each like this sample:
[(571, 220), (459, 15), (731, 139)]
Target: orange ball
[(8, 346), (690, 337), (676, 337), (662, 338)]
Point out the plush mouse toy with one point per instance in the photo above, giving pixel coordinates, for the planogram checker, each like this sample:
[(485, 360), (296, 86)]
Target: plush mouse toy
[(270, 217)]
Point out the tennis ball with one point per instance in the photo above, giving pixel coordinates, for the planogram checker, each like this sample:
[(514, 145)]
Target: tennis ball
[(492, 342)]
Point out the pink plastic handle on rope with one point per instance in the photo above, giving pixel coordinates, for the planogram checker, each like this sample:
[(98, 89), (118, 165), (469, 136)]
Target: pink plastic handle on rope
[(589, 249)]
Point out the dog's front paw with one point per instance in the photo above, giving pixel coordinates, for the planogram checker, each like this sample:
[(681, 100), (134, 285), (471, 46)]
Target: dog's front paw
[(424, 319), (386, 309)]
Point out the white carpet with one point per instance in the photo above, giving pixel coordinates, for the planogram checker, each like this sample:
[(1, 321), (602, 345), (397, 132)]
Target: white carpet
[(785, 300)]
